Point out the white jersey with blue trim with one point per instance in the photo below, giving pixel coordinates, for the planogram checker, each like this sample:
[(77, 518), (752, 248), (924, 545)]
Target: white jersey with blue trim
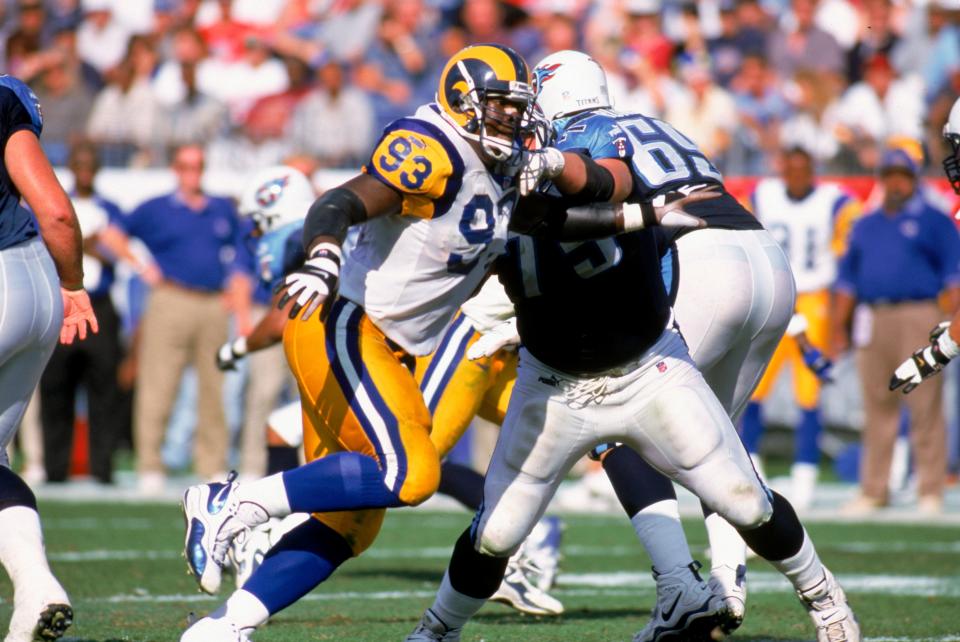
[(804, 228), (412, 271)]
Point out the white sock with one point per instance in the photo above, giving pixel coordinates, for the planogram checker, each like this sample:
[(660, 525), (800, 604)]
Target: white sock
[(269, 493), (21, 547), (727, 548), (804, 570), (453, 607), (659, 529), (243, 609)]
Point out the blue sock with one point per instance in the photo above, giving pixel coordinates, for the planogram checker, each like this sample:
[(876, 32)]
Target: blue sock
[(301, 560), (462, 483), (808, 433), (752, 429), (341, 481)]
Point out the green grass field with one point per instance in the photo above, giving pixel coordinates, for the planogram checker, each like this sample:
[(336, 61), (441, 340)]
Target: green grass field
[(122, 566)]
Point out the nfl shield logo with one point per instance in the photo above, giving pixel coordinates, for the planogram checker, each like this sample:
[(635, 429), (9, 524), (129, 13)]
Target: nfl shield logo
[(661, 366)]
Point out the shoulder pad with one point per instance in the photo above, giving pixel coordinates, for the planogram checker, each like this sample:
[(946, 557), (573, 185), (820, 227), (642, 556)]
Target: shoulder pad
[(26, 98), (414, 159)]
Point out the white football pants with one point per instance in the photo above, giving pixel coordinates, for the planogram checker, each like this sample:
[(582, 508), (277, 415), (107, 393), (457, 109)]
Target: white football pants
[(31, 313), (659, 405), (734, 301)]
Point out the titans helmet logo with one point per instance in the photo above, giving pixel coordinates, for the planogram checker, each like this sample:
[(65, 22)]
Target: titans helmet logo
[(269, 192), (542, 75)]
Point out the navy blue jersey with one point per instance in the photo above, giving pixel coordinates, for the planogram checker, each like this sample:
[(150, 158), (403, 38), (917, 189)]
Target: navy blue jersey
[(586, 307), (19, 109), (661, 159)]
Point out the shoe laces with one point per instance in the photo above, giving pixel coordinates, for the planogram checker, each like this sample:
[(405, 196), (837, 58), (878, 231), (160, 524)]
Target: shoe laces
[(583, 393)]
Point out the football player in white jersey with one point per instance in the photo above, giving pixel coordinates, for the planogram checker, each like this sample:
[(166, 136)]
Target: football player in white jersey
[(735, 299), (435, 199), (945, 338), (811, 221)]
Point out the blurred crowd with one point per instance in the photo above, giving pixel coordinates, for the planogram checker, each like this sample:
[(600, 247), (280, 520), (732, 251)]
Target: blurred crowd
[(258, 80)]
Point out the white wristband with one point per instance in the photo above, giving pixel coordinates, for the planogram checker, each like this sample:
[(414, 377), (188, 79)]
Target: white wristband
[(239, 347), (948, 346), (637, 216)]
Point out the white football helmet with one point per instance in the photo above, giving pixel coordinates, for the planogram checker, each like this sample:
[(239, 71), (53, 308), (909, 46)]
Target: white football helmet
[(568, 81), (951, 132), (276, 196)]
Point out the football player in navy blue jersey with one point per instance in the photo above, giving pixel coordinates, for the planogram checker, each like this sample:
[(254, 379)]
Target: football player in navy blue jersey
[(574, 389), (43, 299)]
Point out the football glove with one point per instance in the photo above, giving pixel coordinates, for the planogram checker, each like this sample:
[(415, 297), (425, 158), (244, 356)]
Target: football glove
[(501, 337), (230, 353), (538, 165), (77, 315), (925, 362), (313, 283), (818, 364)]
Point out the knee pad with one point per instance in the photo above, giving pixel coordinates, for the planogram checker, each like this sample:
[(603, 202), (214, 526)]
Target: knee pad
[(751, 512), (497, 538), (14, 491)]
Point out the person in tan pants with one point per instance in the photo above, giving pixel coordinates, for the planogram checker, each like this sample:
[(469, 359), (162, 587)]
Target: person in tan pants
[(197, 243), (902, 258)]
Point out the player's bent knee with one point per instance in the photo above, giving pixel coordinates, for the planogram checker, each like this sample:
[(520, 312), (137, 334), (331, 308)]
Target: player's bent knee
[(422, 475), (750, 510), (501, 544), (14, 491)]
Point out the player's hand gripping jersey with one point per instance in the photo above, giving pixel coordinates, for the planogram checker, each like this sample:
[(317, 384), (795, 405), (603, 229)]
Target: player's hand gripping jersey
[(412, 272), (662, 161)]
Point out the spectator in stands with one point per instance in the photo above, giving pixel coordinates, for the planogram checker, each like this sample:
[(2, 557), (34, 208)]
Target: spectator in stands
[(101, 40), (27, 41), (704, 111), (814, 99), (343, 30), (226, 37), (67, 103), (93, 363), (932, 47), (901, 258), (400, 67), (188, 49), (877, 36), (335, 122), (728, 49), (195, 117), (762, 108), (199, 247), (877, 108), (269, 118), (126, 113), (644, 44), (800, 44), (241, 83), (559, 32), (483, 21)]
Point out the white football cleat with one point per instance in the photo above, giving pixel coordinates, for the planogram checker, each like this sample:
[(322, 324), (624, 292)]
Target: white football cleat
[(540, 553), (730, 584), (686, 608), (516, 591), (432, 629), (250, 547), (832, 616), (211, 519), (40, 615), (215, 630)]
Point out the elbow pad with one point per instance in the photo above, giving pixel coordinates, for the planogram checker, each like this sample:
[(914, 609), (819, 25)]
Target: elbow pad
[(332, 215)]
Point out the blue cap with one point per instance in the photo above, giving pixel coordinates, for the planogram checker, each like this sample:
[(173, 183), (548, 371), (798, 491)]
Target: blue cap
[(897, 159)]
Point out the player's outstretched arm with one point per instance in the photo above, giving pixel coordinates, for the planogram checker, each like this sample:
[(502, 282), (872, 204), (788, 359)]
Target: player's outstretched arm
[(33, 176), (267, 332), (359, 199)]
